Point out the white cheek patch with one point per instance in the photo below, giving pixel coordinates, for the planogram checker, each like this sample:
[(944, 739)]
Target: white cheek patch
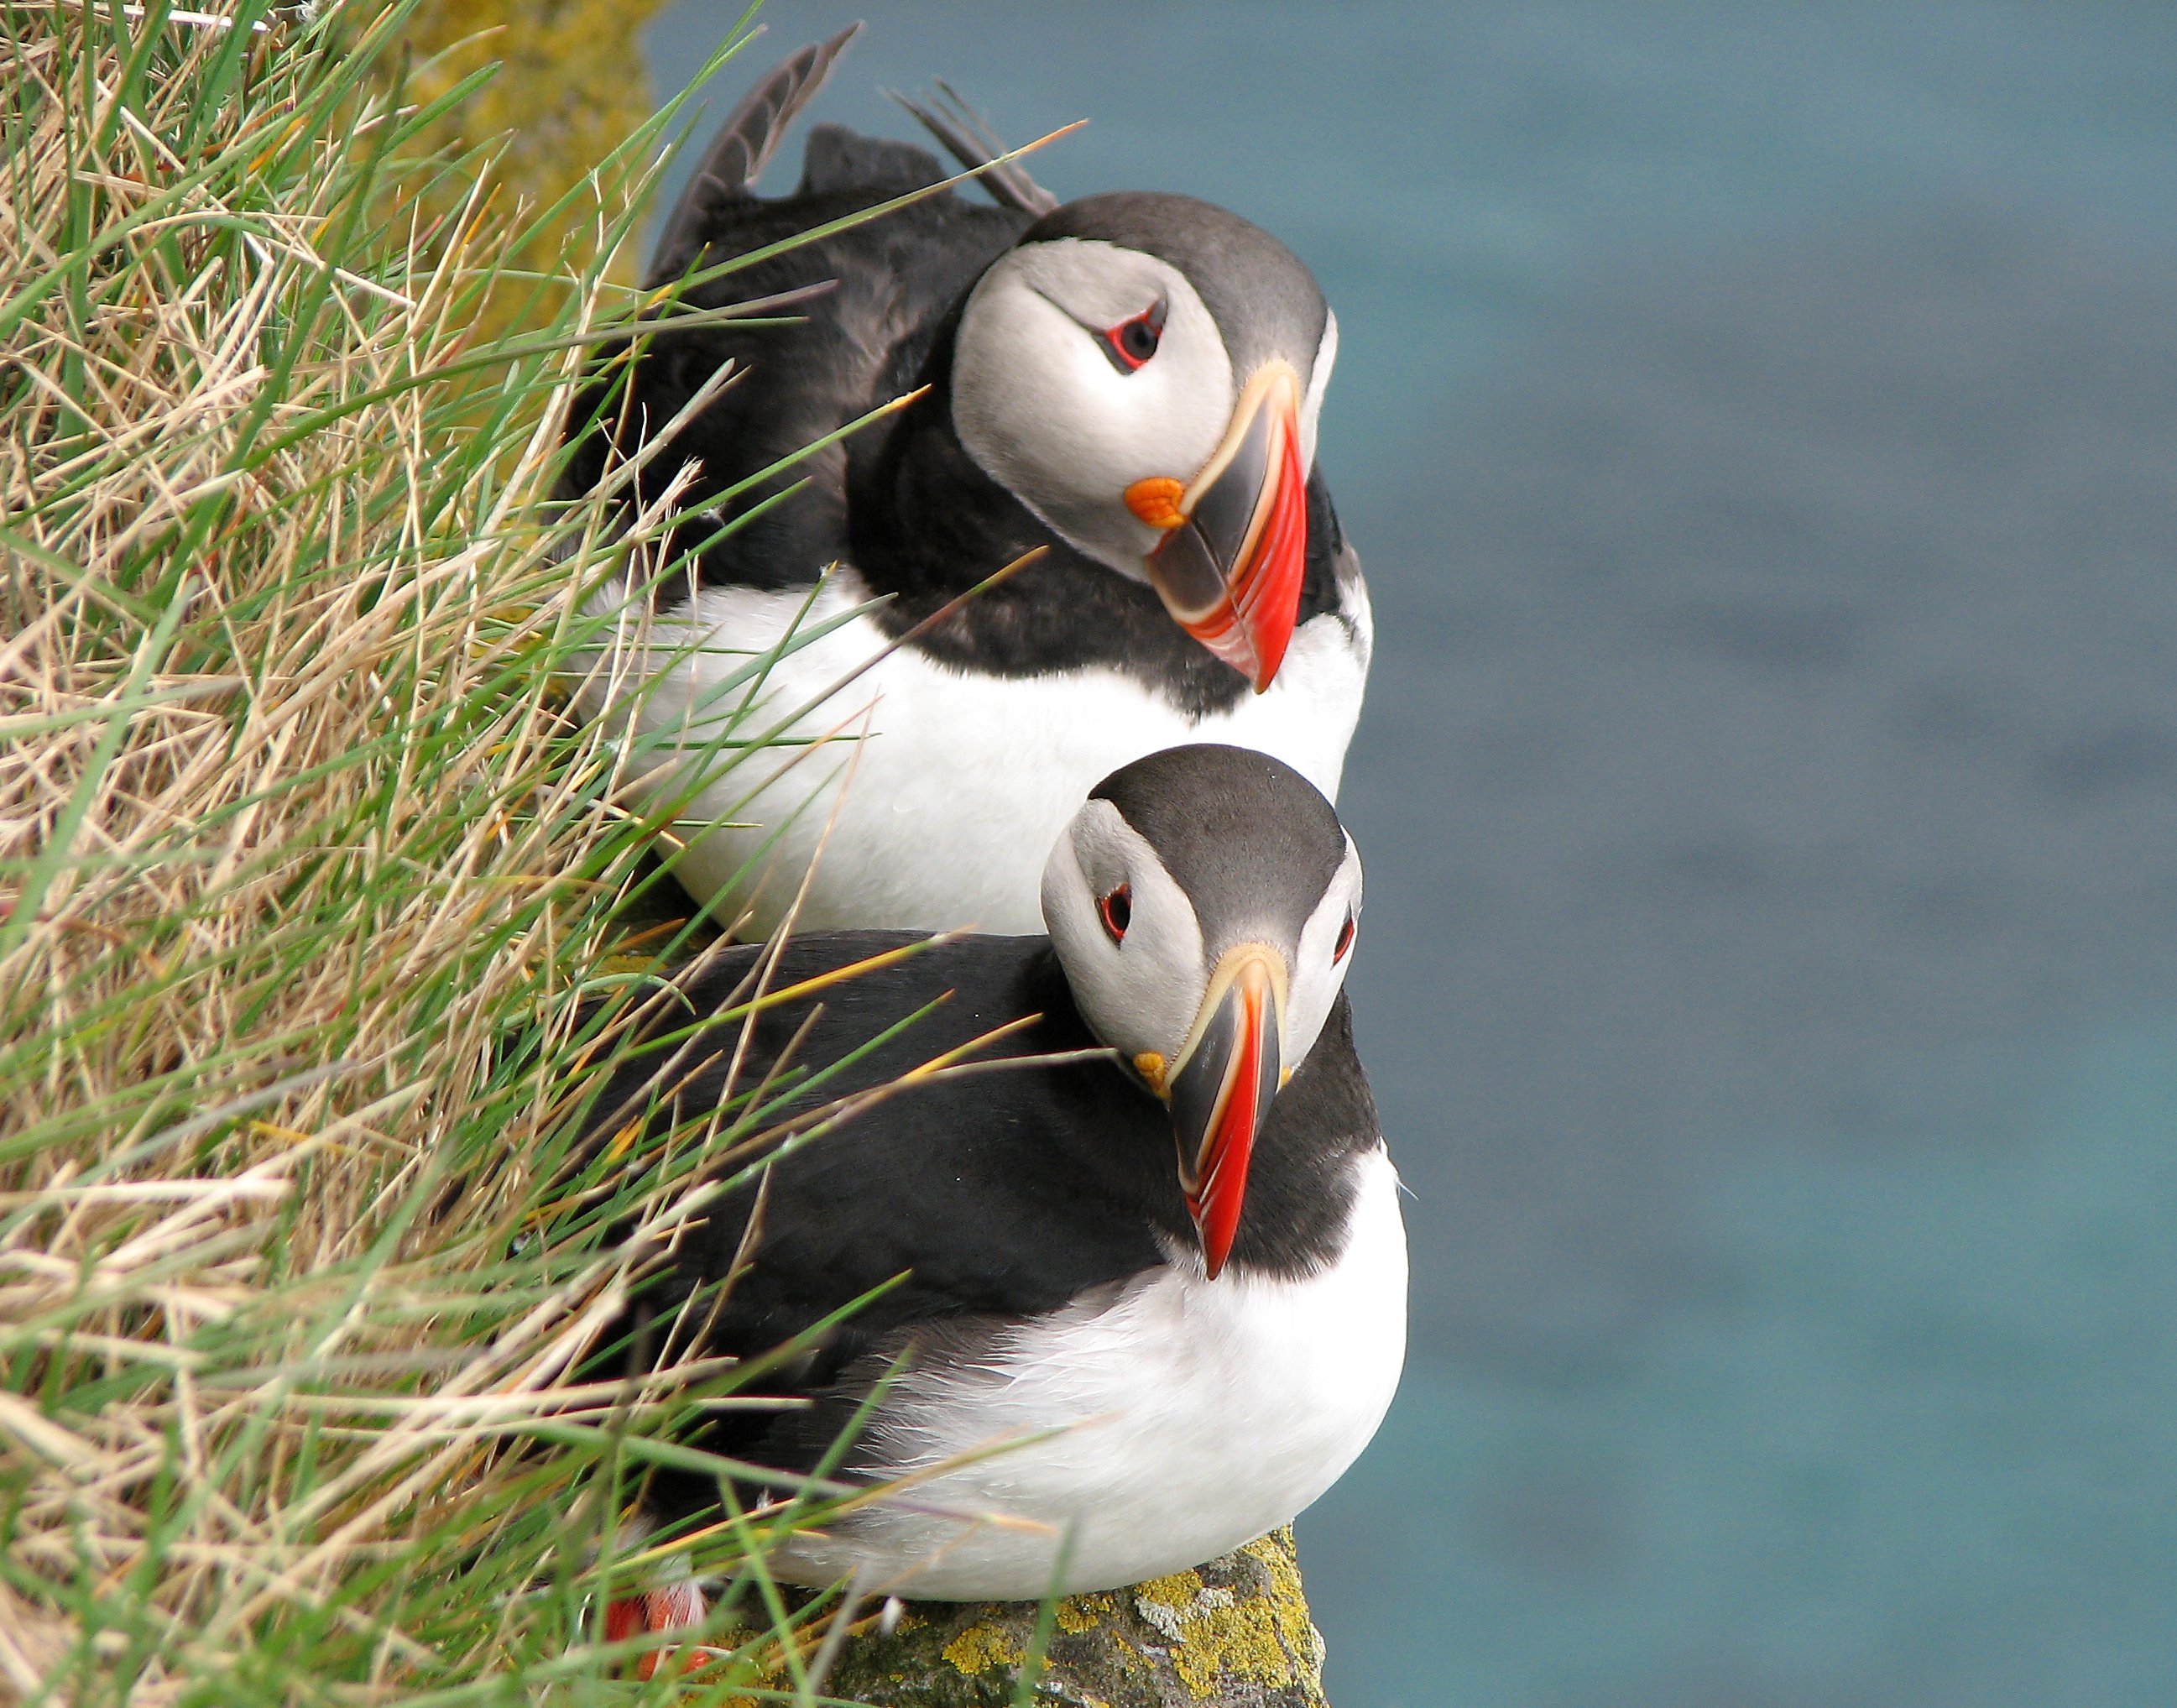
[(1317, 975), (1141, 993), (1043, 411)]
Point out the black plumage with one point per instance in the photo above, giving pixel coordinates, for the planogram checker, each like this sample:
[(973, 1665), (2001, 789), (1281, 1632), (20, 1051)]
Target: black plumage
[(998, 1196)]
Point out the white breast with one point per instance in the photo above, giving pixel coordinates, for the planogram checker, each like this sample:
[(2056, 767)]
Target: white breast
[(955, 783), (1190, 1415)]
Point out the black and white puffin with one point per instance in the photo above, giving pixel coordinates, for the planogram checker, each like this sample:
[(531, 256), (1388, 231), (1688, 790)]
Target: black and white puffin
[(1131, 382), (1171, 1265)]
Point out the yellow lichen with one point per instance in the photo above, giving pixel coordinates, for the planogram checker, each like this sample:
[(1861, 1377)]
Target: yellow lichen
[(1077, 1614), (980, 1648), (1288, 1597), (571, 83), (1235, 1642), (1178, 1591), (571, 87), (1217, 1637)]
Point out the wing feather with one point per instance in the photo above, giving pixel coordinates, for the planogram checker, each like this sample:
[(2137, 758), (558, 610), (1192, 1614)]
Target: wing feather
[(969, 140), (742, 149)]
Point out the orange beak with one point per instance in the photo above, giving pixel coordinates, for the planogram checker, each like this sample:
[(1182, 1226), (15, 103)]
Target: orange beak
[(1235, 546), (1221, 1089)]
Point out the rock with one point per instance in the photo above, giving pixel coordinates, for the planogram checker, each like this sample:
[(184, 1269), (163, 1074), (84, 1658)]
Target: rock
[(1233, 1633)]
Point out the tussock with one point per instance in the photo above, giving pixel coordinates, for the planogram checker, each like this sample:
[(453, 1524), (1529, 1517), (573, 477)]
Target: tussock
[(304, 866)]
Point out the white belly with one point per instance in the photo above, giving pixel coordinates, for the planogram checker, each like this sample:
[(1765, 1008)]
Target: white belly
[(1192, 1416), (935, 794)]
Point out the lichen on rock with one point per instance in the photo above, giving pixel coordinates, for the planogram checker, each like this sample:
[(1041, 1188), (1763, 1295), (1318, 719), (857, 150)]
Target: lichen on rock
[(572, 85), (569, 87), (1232, 1633)]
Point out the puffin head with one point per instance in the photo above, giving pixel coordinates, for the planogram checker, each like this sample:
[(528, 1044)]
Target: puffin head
[(1202, 905), (1144, 373)]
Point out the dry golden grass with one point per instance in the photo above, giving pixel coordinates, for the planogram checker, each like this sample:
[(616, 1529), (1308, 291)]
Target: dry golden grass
[(303, 867), (309, 888)]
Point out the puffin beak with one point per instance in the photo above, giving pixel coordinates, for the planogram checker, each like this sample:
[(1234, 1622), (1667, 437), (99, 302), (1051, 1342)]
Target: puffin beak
[(1221, 1089), (1235, 549)]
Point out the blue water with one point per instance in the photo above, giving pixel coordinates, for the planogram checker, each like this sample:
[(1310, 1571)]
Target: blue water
[(1759, 424)]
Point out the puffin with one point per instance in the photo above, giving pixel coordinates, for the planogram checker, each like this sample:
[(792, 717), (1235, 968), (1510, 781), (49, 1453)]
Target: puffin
[(1116, 398), (1117, 1206)]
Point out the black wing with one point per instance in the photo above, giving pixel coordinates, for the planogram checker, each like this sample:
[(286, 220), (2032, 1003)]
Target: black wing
[(997, 1197), (740, 151), (893, 282)]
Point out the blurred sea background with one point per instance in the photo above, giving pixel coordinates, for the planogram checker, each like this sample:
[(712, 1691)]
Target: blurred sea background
[(1759, 422)]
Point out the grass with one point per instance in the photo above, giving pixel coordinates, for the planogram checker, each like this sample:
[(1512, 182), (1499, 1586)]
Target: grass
[(315, 899)]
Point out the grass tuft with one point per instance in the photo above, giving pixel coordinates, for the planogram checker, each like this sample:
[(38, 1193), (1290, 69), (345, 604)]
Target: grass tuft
[(309, 885)]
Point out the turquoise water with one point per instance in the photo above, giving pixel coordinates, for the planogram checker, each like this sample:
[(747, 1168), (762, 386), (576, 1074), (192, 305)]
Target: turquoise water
[(1912, 1446), (1759, 424)]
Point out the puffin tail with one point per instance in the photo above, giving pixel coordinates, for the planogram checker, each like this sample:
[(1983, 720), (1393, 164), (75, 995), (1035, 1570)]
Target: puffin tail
[(969, 140), (742, 149)]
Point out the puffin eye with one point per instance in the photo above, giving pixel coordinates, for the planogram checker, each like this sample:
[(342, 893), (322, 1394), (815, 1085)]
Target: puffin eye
[(1130, 343), (1344, 941), (1117, 909)]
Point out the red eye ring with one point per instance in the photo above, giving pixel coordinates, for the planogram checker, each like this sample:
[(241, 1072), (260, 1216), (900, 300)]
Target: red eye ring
[(1133, 342), (1116, 910), (1344, 940)]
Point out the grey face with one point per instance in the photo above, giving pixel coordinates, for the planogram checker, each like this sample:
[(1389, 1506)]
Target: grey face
[(1181, 860), (1203, 904), (1146, 372)]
